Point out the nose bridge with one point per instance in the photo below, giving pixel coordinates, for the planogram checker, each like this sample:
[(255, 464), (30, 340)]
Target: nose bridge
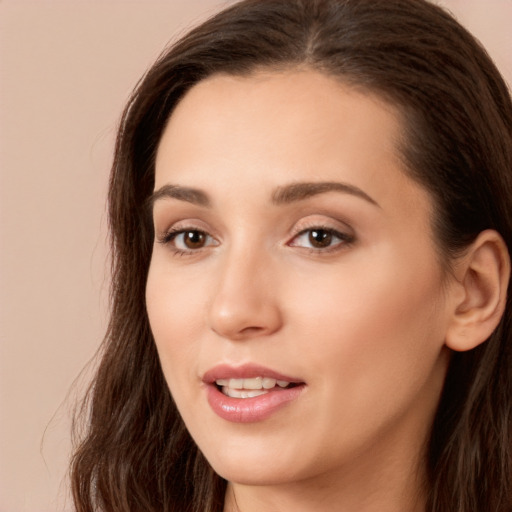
[(244, 303)]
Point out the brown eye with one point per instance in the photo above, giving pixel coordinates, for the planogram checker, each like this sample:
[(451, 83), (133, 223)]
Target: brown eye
[(320, 238), (194, 239), (188, 240)]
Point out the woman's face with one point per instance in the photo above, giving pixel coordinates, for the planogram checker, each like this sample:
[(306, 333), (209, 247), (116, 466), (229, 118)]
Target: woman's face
[(295, 293)]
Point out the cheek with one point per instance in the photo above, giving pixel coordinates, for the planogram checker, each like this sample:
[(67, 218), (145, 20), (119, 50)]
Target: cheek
[(175, 310), (373, 357), (379, 332), (369, 300)]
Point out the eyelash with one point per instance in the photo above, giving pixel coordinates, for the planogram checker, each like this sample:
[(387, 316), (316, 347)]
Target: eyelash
[(344, 240), (171, 235)]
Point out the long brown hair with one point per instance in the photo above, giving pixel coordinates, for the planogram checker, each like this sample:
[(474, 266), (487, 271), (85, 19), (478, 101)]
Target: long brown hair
[(135, 453)]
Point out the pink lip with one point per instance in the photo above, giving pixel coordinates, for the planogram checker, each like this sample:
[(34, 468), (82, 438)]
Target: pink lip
[(248, 410), (245, 371)]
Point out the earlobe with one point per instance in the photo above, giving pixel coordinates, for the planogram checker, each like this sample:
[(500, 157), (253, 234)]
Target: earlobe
[(483, 275)]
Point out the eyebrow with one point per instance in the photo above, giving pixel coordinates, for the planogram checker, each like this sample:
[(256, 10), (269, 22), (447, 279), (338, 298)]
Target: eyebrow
[(190, 195), (300, 191), (282, 195)]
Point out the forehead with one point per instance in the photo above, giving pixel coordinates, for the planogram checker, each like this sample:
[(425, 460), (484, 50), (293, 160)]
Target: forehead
[(272, 128), (284, 105)]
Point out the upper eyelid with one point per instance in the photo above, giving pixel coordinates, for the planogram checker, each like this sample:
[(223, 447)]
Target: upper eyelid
[(179, 230), (320, 220), (184, 224), (328, 223), (321, 228)]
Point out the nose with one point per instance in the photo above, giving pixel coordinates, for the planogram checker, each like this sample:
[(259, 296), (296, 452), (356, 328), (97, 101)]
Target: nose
[(245, 302)]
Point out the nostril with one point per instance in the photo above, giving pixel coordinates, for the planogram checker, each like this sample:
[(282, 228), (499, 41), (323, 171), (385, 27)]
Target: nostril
[(252, 330)]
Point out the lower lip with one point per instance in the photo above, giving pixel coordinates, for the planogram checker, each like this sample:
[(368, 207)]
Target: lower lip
[(250, 410)]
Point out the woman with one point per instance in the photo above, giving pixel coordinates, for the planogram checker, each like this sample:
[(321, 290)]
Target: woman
[(310, 207)]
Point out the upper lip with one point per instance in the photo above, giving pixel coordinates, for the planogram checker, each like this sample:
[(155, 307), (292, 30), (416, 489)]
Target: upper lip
[(245, 371)]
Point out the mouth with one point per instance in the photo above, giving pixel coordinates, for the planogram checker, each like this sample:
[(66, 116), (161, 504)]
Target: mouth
[(249, 393), (252, 387)]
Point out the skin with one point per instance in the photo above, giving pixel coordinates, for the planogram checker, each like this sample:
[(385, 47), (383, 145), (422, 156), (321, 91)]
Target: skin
[(362, 321)]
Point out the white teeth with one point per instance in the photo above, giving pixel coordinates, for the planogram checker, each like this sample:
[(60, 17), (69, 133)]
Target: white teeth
[(237, 393), (248, 388), (255, 383), (268, 383), (236, 383)]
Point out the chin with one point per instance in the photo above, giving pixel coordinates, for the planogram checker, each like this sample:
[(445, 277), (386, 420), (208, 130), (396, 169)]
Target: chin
[(247, 474), (256, 464)]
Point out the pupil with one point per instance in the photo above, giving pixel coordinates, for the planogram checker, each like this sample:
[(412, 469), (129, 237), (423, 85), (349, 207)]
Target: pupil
[(194, 239), (320, 238)]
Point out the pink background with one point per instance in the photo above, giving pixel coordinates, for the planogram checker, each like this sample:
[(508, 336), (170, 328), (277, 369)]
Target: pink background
[(66, 69)]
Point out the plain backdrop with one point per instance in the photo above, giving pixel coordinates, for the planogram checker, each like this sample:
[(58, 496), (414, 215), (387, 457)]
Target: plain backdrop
[(66, 69)]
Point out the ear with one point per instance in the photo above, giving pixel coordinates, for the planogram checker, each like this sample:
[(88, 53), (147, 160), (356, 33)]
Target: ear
[(480, 293)]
